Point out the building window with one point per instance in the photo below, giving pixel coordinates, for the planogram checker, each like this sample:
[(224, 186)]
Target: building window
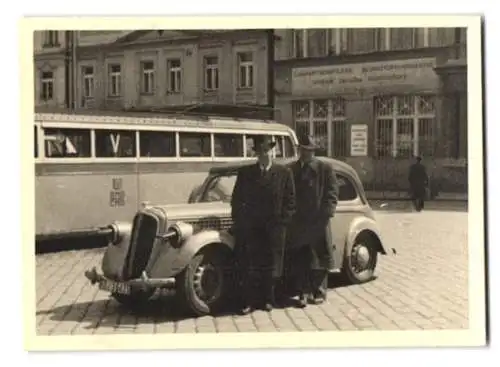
[(317, 42), (310, 43), (47, 86), (404, 125), (147, 77), (406, 38), (88, 81), (298, 43), (115, 80), (339, 128), (246, 70), (211, 64), (51, 39), (364, 40), (324, 120), (174, 75)]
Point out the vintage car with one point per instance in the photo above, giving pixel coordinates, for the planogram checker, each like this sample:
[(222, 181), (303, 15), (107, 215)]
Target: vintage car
[(186, 249)]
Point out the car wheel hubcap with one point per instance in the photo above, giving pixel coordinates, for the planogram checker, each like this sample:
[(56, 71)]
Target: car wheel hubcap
[(361, 257), (208, 282)]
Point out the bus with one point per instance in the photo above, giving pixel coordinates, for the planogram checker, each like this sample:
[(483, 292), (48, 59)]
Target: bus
[(95, 167)]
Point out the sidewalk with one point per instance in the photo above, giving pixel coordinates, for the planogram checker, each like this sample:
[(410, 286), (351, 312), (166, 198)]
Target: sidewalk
[(402, 195)]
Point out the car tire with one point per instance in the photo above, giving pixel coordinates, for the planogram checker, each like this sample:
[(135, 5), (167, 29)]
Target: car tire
[(212, 264), (352, 269)]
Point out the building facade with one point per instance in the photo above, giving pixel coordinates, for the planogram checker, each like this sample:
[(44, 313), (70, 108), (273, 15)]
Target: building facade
[(119, 69), (377, 97)]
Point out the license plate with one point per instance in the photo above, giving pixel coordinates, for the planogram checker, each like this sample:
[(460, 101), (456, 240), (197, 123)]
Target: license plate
[(114, 287)]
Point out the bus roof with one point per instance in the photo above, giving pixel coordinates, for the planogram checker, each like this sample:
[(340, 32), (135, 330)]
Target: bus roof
[(155, 117), (198, 110)]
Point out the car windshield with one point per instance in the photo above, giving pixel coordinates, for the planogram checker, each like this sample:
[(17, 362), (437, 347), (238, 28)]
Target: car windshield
[(220, 189)]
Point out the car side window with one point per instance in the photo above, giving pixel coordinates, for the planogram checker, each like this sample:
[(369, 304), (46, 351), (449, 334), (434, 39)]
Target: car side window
[(220, 189), (347, 191)]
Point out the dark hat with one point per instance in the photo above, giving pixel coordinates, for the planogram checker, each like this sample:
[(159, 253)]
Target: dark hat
[(307, 142), (263, 142)]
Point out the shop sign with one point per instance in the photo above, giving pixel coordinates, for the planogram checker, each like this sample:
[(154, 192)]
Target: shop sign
[(352, 77), (359, 140)]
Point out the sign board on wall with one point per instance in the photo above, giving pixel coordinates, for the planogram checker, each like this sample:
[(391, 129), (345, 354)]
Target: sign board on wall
[(359, 140), (338, 78)]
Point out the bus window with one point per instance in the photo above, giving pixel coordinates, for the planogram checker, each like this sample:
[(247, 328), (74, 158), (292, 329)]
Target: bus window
[(195, 145), (250, 145), (67, 143), (279, 146), (36, 142), (228, 145), (289, 148), (157, 143), (114, 143)]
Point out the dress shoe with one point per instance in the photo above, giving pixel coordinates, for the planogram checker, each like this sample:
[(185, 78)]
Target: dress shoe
[(302, 301), (316, 300), (246, 310), (268, 307)]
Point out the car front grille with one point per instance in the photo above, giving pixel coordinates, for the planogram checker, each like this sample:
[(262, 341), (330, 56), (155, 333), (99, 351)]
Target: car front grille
[(216, 223), (144, 232)]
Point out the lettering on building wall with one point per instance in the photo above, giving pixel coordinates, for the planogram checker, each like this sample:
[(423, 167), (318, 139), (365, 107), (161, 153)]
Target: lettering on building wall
[(364, 75), (359, 140), (117, 194)]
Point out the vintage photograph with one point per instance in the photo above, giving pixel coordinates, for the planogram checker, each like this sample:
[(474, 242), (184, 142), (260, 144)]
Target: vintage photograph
[(257, 180)]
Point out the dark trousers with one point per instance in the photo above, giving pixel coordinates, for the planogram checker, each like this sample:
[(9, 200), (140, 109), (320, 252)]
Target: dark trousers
[(260, 258), (418, 197), (310, 278)]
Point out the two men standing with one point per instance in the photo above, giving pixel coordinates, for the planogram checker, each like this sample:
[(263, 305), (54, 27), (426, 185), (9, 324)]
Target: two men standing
[(274, 207)]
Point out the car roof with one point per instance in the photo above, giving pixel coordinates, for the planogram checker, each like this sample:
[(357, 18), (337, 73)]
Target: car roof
[(336, 164)]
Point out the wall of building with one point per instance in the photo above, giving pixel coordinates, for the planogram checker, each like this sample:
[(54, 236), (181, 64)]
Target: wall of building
[(341, 91), (130, 52)]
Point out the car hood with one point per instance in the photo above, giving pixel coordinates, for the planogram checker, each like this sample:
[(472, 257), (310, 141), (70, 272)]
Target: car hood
[(175, 212)]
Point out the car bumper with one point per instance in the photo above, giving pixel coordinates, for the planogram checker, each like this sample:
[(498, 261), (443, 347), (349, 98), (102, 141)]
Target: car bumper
[(160, 286)]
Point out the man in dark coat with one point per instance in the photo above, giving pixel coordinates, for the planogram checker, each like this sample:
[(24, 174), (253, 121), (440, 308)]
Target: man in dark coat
[(310, 243), (418, 180), (263, 203)]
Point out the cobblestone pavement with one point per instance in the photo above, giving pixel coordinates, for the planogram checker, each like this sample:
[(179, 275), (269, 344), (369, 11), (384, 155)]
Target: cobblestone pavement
[(423, 287)]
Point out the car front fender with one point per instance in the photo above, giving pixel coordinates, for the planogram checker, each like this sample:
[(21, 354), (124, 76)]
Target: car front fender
[(115, 255), (171, 261), (369, 226)]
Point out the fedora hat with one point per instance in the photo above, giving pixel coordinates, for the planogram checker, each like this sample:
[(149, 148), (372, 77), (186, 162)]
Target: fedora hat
[(263, 142), (307, 142)]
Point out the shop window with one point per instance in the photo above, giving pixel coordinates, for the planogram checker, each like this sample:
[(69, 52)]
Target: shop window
[(404, 125)]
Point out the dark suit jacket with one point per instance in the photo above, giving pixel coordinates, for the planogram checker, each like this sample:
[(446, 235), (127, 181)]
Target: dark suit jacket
[(283, 198), (316, 196)]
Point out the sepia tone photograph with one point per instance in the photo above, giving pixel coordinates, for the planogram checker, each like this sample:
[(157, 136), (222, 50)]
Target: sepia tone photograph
[(254, 180)]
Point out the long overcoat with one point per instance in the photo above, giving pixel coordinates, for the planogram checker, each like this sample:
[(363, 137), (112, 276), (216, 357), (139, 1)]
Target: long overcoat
[(418, 180), (272, 217), (316, 196)]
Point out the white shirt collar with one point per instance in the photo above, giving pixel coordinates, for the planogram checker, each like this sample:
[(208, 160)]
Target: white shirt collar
[(265, 168)]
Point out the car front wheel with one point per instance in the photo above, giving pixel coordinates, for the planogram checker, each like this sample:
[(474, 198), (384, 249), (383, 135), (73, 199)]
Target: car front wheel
[(204, 284), (361, 260)]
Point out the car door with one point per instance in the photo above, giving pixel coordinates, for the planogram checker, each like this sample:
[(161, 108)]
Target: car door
[(347, 210)]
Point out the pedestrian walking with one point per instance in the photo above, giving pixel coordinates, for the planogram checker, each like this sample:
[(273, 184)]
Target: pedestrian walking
[(310, 243), (418, 180), (263, 203)]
